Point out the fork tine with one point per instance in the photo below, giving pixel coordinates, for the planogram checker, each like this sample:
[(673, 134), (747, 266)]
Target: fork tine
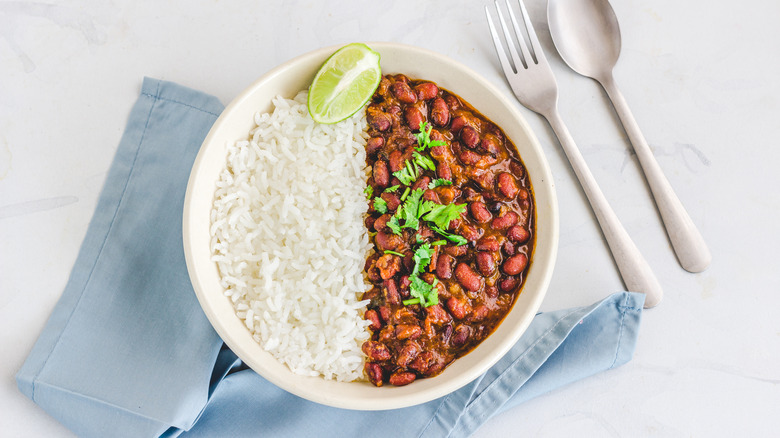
[(518, 58), (508, 72), (538, 52), (527, 55)]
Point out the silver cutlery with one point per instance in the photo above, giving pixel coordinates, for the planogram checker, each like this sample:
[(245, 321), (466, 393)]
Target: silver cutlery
[(587, 36), (534, 85)]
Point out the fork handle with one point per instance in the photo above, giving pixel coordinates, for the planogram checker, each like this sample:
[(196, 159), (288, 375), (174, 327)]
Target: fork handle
[(636, 273), (688, 244)]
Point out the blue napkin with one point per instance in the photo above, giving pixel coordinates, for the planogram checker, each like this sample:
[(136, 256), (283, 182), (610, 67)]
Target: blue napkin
[(127, 350)]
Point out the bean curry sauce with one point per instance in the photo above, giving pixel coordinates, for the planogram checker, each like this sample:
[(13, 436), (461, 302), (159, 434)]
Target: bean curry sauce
[(451, 219)]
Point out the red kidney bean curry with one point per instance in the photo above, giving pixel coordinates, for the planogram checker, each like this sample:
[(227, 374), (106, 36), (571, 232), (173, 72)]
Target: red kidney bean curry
[(451, 217)]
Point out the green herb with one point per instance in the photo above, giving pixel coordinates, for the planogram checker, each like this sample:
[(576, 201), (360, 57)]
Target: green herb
[(411, 301), (411, 206), (424, 138), (380, 205), (441, 215), (387, 251), (406, 192), (439, 242), (439, 182), (427, 294), (460, 240), (418, 238), (407, 175), (369, 191), (393, 188), (394, 225), (423, 161), (422, 258)]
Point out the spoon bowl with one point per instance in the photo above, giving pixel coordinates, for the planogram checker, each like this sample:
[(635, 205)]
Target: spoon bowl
[(586, 34)]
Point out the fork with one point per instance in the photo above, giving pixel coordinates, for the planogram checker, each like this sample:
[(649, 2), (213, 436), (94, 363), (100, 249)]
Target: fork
[(534, 85)]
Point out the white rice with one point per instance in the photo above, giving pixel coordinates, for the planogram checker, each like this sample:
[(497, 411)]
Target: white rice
[(288, 238)]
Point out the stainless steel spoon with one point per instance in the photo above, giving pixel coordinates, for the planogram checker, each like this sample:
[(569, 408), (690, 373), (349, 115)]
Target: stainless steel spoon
[(587, 36)]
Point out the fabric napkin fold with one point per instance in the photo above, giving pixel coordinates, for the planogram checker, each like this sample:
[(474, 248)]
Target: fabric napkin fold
[(127, 350)]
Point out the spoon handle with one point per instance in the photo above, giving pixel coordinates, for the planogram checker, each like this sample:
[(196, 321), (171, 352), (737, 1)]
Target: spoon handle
[(636, 273), (688, 244)]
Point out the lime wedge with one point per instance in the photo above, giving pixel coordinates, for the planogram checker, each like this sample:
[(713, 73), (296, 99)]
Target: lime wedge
[(344, 83)]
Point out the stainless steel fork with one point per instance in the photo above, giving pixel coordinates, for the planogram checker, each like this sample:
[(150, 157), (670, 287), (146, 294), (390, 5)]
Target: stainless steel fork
[(534, 85)]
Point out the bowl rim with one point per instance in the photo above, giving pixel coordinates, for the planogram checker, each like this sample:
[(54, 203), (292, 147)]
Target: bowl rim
[(395, 397)]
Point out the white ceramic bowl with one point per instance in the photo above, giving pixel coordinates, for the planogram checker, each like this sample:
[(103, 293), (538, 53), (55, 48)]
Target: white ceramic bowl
[(286, 80)]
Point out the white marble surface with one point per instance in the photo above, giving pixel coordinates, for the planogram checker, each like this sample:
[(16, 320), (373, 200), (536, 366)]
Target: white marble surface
[(702, 82)]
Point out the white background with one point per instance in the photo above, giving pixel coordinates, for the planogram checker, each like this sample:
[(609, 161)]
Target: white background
[(702, 80)]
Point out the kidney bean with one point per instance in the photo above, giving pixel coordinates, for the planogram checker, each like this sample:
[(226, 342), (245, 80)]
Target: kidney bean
[(403, 92), (422, 362), (380, 224), (443, 171), (437, 314), (460, 335), (430, 195), (480, 212), (421, 183), (470, 232), (486, 263), (457, 124), (490, 144), (509, 248), (505, 221), (414, 117), (404, 284), (401, 378), (491, 291), (480, 312), (390, 288), (389, 265), (372, 316), (508, 284), (396, 161), (444, 266), (488, 243), (369, 222), (374, 373), (380, 174), (392, 200), (407, 331), (516, 168), (378, 120), (507, 185), (467, 277), (455, 251), (440, 114), (515, 264), (469, 136), (373, 144), (387, 241), (408, 352), (517, 234), (459, 308), (376, 351), (384, 313), (426, 90), (469, 157)]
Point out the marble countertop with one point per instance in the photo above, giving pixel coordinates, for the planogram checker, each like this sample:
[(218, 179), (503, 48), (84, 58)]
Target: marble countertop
[(703, 85)]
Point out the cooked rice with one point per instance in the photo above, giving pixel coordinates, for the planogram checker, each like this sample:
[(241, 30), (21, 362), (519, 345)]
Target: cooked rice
[(288, 238)]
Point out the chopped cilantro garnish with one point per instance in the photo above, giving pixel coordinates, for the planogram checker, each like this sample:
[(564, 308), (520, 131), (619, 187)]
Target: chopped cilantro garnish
[(411, 301), (424, 138), (426, 293), (439, 182), (406, 192), (394, 225), (423, 161), (411, 209), (394, 188), (439, 242), (369, 191), (441, 215), (387, 251), (460, 240), (407, 175), (422, 257), (380, 205)]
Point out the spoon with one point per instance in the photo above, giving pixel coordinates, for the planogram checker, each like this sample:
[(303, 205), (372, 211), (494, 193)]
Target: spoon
[(587, 36)]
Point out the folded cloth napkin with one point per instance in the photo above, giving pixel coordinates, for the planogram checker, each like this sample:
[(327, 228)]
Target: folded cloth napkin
[(127, 350)]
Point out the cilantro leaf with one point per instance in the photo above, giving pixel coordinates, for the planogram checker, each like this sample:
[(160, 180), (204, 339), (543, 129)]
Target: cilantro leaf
[(423, 161), (387, 251), (394, 225), (424, 138), (369, 191), (422, 258), (380, 205), (394, 188), (407, 175), (411, 209), (441, 215), (460, 240), (439, 182)]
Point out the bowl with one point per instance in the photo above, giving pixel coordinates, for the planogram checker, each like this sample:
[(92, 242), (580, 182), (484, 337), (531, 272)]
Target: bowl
[(234, 124)]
